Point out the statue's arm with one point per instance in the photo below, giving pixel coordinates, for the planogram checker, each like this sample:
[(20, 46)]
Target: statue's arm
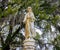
[(25, 18), (34, 17)]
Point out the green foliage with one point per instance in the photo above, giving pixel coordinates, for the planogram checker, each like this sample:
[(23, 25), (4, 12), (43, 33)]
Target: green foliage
[(56, 43), (10, 38), (37, 37), (44, 12)]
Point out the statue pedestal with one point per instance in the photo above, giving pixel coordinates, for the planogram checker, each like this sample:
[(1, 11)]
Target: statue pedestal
[(29, 44)]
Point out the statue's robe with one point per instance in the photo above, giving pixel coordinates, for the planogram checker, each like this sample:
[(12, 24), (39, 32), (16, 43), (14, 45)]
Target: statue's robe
[(29, 25)]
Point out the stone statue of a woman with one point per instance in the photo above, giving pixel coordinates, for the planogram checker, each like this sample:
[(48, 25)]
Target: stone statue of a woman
[(29, 24)]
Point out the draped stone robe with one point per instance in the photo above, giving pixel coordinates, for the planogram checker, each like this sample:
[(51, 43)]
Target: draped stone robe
[(29, 25)]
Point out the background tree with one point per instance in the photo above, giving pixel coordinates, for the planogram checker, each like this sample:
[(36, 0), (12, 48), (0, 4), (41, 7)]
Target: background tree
[(46, 12)]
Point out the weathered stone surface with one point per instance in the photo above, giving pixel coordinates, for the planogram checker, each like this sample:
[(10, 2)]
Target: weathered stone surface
[(29, 44)]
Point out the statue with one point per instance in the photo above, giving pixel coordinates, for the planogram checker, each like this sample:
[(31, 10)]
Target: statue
[(29, 24)]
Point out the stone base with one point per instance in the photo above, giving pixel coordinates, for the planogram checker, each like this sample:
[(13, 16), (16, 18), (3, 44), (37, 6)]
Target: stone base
[(29, 44)]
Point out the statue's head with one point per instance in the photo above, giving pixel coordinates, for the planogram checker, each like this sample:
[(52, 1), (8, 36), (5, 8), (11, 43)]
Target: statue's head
[(29, 9)]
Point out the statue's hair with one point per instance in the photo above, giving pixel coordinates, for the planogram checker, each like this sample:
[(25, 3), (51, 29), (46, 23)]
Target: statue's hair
[(29, 7)]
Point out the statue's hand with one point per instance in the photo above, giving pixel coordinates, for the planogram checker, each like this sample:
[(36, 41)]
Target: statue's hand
[(23, 21), (34, 19)]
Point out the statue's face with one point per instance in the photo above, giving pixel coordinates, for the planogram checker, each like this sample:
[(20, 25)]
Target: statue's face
[(29, 9)]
